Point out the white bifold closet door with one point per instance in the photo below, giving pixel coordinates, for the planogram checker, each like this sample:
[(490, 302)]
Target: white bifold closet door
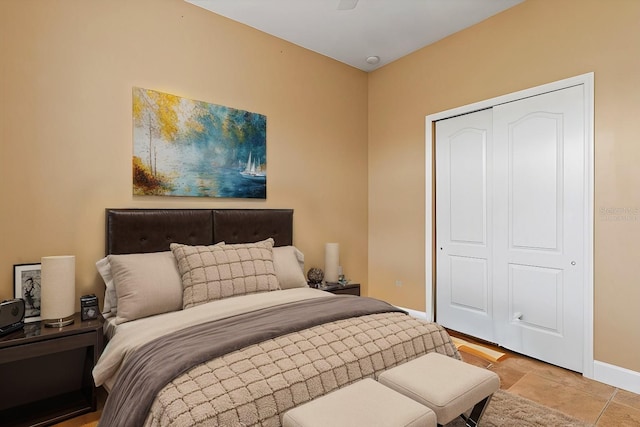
[(510, 193), (464, 224)]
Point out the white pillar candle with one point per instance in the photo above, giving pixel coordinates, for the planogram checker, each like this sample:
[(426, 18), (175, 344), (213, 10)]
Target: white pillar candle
[(58, 289), (331, 262)]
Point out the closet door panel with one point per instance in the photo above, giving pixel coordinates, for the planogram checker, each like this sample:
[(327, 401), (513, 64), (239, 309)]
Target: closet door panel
[(467, 172), (469, 284), (535, 193), (538, 292), (463, 229), (538, 206)]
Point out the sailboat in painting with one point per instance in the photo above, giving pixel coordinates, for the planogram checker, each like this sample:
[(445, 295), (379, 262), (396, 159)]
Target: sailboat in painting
[(252, 172)]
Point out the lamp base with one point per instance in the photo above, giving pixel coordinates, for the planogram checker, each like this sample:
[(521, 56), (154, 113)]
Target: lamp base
[(58, 323)]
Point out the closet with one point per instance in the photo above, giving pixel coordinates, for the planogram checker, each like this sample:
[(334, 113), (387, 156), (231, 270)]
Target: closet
[(511, 195)]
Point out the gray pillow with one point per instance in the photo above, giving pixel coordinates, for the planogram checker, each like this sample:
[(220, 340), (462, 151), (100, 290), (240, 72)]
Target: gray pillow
[(145, 284)]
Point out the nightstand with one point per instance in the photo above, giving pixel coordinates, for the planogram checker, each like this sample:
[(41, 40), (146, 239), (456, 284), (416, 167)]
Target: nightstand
[(46, 372), (348, 289)]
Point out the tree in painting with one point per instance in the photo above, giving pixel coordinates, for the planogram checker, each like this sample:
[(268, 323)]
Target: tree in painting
[(156, 113), (192, 148)]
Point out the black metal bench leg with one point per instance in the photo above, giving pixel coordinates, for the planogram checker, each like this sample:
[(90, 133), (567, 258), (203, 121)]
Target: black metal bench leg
[(473, 419)]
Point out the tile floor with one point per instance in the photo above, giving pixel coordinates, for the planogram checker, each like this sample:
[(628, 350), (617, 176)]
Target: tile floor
[(566, 391), (596, 403)]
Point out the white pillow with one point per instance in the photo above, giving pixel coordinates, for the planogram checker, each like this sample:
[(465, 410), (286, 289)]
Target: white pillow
[(145, 284), (288, 262), (110, 298)]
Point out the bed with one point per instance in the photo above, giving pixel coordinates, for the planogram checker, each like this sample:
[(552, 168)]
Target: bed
[(209, 321)]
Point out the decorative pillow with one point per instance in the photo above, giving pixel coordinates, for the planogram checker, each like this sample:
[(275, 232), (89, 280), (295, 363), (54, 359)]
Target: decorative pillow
[(215, 272), (288, 262), (145, 284)]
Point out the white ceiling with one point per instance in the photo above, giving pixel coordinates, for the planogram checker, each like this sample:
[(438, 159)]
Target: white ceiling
[(389, 29)]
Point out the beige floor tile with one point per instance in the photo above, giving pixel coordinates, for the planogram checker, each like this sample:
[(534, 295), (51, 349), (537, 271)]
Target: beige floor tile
[(627, 398), (617, 415), (576, 403), (508, 376), (521, 363), (576, 380)]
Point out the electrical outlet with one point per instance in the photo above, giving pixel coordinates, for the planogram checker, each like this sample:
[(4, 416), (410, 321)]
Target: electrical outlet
[(398, 283)]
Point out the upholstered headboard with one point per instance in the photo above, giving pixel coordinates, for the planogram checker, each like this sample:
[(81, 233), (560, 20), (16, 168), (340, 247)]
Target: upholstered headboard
[(153, 230)]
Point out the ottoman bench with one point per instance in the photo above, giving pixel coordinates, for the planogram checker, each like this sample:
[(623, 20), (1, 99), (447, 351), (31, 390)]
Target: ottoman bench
[(363, 403), (448, 386)]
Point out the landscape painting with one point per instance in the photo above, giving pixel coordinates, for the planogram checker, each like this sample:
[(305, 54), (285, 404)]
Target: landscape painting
[(183, 147)]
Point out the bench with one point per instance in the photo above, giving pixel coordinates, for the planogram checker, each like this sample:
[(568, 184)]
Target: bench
[(448, 386), (365, 403)]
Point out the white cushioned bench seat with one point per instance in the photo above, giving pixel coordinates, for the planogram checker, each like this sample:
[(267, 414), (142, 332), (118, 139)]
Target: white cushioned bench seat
[(363, 403), (448, 386)]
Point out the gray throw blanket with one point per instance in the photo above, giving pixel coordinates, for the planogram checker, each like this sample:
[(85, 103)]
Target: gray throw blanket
[(156, 363)]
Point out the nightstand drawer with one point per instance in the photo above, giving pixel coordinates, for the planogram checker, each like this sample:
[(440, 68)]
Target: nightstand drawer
[(28, 351)]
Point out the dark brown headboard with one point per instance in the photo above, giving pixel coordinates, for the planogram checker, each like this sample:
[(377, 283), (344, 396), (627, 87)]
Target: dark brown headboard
[(153, 230)]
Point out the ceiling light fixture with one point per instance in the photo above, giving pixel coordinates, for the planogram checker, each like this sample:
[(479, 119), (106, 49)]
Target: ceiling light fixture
[(373, 60), (347, 4)]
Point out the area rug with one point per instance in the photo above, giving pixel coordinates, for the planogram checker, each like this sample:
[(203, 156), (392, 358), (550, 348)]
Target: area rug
[(509, 410)]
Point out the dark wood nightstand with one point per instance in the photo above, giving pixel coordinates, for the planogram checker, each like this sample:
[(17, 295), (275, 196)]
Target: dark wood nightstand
[(46, 372), (348, 289)]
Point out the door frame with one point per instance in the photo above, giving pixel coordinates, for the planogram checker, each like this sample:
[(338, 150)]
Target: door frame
[(587, 80)]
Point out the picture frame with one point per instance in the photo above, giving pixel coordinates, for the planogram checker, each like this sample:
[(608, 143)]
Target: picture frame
[(27, 285), (188, 148)]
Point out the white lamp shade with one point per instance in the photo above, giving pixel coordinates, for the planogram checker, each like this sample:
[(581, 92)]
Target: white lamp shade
[(331, 262), (58, 287)]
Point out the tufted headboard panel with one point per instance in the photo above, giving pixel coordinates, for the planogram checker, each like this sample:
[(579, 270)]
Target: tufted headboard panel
[(153, 230), (253, 225)]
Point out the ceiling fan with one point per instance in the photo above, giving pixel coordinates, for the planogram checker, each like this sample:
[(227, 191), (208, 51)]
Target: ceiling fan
[(347, 4)]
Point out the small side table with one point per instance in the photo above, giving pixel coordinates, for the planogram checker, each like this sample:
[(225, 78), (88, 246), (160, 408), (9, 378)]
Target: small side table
[(46, 372), (348, 289)]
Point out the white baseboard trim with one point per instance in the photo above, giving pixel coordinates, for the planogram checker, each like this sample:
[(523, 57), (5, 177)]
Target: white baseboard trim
[(415, 313), (616, 376)]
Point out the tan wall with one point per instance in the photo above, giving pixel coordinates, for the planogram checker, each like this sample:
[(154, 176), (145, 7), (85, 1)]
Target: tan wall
[(66, 73), (67, 68), (536, 42)]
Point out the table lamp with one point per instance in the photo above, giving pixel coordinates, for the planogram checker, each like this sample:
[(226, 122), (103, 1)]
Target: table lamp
[(58, 290), (331, 262)]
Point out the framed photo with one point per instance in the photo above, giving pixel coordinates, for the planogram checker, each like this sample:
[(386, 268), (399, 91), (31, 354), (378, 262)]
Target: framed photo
[(26, 285)]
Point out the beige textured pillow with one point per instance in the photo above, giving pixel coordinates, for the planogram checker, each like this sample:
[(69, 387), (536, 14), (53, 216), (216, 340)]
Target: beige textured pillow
[(214, 272), (288, 262), (145, 284)]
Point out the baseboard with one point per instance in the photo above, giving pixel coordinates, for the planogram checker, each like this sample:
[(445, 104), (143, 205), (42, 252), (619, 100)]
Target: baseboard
[(415, 313), (616, 376)]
